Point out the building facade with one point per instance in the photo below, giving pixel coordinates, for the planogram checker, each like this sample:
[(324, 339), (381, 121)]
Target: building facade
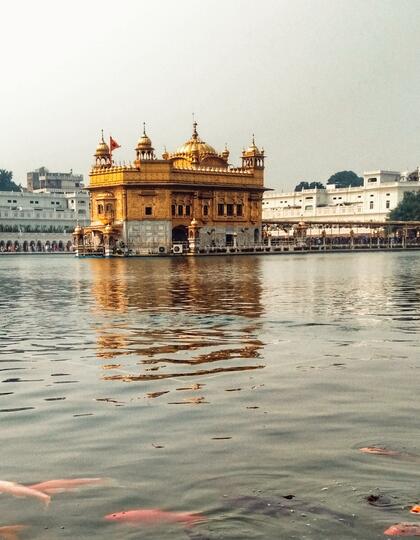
[(37, 222), (381, 192), (190, 200), (43, 179)]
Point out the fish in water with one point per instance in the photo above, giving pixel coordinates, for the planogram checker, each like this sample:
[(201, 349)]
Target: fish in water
[(65, 484), (155, 516), (284, 506), (11, 532), (415, 509), (18, 490), (379, 451), (403, 529)]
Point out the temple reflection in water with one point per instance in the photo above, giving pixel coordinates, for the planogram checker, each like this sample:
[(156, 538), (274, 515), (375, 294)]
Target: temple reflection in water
[(164, 318)]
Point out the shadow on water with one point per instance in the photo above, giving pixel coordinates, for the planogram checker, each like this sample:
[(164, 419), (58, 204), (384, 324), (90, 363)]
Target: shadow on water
[(181, 312)]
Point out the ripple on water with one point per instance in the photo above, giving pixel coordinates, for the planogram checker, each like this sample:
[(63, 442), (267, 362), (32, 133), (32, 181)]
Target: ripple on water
[(251, 380)]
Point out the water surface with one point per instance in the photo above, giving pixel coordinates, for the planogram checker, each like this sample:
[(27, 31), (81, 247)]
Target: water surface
[(219, 385)]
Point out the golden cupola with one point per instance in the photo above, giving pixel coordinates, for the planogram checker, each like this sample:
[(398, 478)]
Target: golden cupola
[(225, 154), (195, 151), (253, 157), (102, 154), (144, 148)]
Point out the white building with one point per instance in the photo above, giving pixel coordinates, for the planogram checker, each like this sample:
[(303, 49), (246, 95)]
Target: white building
[(381, 192), (32, 221), (43, 180)]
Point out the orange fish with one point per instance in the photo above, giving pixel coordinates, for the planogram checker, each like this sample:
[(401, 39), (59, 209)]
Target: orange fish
[(10, 532), (378, 451), (403, 529), (155, 516), (415, 509), (17, 490), (65, 484)]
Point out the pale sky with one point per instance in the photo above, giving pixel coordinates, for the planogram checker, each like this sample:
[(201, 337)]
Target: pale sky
[(325, 85)]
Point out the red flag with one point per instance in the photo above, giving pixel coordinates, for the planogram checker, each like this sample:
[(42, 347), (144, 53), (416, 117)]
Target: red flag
[(113, 144)]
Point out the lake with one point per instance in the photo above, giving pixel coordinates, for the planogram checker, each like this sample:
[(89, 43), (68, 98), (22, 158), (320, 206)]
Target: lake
[(241, 388)]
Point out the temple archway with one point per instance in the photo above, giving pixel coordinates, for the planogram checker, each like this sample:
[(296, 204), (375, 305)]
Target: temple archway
[(180, 234)]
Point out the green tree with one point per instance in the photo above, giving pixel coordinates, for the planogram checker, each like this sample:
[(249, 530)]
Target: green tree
[(309, 185), (302, 185), (408, 209), (6, 182), (345, 179)]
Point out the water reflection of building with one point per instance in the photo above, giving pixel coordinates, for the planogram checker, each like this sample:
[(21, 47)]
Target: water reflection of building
[(169, 316)]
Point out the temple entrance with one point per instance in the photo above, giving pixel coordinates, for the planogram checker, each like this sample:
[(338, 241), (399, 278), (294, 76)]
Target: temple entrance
[(180, 234)]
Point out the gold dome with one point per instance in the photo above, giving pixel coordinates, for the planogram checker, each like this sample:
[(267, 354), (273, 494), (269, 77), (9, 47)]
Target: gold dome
[(102, 149), (196, 145), (144, 142), (253, 149)]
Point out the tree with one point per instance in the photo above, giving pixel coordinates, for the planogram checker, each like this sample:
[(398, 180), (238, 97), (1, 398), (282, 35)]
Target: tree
[(302, 185), (309, 185), (316, 185), (408, 209), (6, 182), (345, 179)]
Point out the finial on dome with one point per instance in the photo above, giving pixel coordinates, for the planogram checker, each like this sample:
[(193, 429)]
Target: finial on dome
[(144, 128), (253, 139), (195, 134)]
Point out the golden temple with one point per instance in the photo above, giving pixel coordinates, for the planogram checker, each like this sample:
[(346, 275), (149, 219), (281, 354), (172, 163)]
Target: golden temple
[(191, 201)]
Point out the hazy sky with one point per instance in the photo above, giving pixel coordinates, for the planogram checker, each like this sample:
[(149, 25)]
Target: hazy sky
[(325, 85)]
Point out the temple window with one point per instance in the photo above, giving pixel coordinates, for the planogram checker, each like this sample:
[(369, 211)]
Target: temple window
[(371, 205), (148, 210), (388, 204), (220, 209), (100, 209), (188, 210), (109, 208), (205, 210), (229, 209), (180, 210), (173, 209), (239, 210)]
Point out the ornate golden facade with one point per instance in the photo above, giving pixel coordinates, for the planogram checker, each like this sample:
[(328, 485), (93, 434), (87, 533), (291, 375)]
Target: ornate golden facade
[(190, 201)]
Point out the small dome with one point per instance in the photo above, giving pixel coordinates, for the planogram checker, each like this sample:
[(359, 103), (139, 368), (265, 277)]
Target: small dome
[(78, 229), (253, 149), (225, 154), (102, 149), (144, 143)]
